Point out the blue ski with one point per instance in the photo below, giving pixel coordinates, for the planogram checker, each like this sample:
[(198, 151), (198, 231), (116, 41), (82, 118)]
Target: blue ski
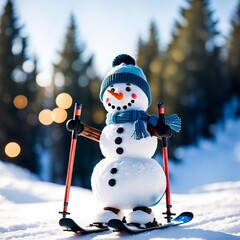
[(119, 226)]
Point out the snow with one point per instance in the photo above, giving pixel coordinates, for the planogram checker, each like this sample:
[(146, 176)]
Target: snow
[(206, 183), (209, 162)]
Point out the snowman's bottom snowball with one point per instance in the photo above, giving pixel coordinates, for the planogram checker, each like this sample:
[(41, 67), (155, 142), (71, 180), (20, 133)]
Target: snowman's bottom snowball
[(128, 182), (104, 216), (140, 217)]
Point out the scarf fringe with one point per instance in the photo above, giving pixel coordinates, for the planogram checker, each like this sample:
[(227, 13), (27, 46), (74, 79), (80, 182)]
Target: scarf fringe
[(174, 121), (140, 130)]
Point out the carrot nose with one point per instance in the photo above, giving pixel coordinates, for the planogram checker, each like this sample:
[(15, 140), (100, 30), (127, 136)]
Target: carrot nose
[(118, 96)]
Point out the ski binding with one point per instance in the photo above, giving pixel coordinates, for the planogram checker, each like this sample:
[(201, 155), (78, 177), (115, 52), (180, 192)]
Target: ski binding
[(70, 225), (119, 226)]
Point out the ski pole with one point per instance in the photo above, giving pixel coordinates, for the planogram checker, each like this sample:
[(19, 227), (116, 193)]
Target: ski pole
[(76, 117), (165, 163)]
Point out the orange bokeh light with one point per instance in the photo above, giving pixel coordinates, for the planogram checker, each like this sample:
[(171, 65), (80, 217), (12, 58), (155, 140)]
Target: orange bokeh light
[(59, 115), (64, 100), (20, 101), (45, 117), (12, 149)]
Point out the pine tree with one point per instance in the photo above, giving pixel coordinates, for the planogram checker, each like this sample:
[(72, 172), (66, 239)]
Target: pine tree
[(149, 59), (17, 91), (233, 61), (77, 72), (192, 73)]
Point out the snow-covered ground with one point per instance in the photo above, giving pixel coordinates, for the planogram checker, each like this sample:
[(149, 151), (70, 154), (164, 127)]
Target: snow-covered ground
[(206, 183)]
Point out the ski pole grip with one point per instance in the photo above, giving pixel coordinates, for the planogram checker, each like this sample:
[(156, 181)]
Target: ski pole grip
[(77, 111), (76, 117), (161, 112)]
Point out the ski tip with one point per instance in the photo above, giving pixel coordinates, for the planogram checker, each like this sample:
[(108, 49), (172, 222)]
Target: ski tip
[(113, 222), (117, 225), (185, 217), (62, 221), (188, 214)]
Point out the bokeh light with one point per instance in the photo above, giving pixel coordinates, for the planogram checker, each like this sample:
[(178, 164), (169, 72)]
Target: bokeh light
[(59, 79), (45, 117), (44, 79), (99, 117), (20, 101), (59, 115), (64, 100), (12, 149), (28, 66)]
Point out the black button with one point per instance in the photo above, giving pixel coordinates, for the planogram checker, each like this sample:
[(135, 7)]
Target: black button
[(112, 182), (113, 170), (118, 140), (120, 130), (119, 151)]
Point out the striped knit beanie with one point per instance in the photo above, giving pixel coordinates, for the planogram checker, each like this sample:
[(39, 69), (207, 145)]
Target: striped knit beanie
[(124, 70)]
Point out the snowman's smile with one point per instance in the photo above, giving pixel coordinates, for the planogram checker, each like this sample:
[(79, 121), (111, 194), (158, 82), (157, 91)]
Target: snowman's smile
[(119, 96), (124, 107)]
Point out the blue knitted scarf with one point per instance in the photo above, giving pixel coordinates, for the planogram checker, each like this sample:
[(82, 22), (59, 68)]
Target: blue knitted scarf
[(138, 118)]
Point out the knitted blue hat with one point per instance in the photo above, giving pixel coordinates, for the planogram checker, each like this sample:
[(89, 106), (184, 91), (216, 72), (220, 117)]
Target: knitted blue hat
[(125, 71)]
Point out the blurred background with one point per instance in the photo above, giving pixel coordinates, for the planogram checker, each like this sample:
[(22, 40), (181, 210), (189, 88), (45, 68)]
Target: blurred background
[(55, 53)]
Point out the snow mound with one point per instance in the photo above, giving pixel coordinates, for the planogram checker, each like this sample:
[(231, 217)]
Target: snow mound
[(218, 187), (210, 161), (18, 185), (9, 170)]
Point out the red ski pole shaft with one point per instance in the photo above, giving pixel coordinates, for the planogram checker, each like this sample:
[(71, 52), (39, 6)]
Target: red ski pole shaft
[(76, 116), (161, 112)]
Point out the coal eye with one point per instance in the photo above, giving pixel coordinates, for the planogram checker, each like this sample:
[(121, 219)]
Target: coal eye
[(112, 90), (128, 89)]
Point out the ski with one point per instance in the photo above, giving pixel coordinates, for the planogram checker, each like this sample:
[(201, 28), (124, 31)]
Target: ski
[(119, 226), (70, 225)]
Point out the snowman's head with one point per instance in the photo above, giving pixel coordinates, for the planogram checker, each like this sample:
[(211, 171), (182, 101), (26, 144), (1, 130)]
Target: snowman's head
[(124, 96), (125, 87)]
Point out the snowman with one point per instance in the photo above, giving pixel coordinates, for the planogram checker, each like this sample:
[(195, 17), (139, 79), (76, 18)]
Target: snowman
[(128, 178)]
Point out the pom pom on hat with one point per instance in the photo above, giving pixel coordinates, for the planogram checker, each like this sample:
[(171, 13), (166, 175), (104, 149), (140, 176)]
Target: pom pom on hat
[(125, 71), (122, 58)]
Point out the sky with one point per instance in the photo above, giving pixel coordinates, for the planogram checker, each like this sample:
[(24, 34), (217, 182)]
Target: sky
[(105, 27)]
